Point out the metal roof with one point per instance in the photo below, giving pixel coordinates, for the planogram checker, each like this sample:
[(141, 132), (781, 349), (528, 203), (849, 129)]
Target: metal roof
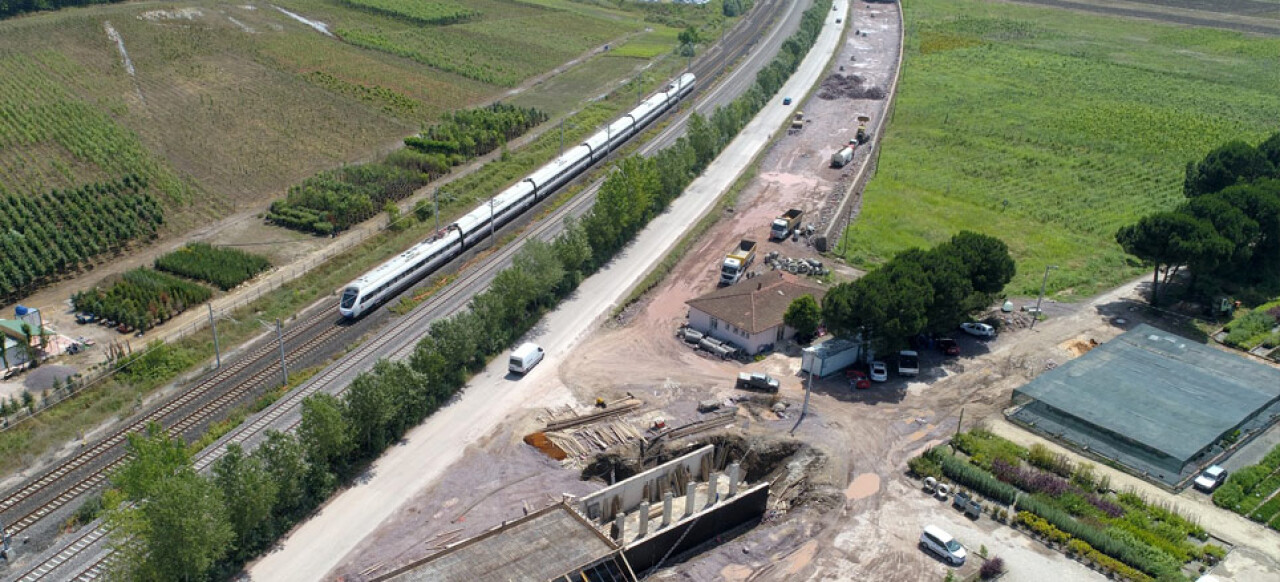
[(541, 546), (1159, 390)]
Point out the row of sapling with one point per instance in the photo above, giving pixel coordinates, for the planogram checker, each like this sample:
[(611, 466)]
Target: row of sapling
[(61, 231)]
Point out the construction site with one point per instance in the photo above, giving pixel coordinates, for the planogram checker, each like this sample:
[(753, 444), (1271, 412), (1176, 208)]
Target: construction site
[(641, 458)]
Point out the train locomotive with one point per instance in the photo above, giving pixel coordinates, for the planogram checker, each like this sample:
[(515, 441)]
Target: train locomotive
[(401, 271)]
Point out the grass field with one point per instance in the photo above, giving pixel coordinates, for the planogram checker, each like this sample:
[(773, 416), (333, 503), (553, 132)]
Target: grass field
[(1051, 129), (504, 44)]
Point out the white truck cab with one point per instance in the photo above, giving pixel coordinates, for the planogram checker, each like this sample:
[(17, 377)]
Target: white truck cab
[(525, 357)]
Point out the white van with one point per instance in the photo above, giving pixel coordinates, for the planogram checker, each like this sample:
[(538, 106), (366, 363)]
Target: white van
[(525, 357), (941, 543)]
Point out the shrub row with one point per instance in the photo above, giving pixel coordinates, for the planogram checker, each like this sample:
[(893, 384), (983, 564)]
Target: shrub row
[(141, 298), (1130, 551), (1232, 494), (975, 478), (334, 200), (1078, 547), (984, 447), (224, 268), (475, 132), (59, 231)]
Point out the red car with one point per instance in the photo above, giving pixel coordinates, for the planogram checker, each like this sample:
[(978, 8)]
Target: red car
[(949, 346), (857, 379)]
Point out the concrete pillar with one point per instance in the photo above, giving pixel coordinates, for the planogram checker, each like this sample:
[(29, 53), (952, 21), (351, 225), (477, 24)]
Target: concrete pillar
[(713, 485), (734, 471), (666, 509), (691, 493), (619, 524), (644, 519)]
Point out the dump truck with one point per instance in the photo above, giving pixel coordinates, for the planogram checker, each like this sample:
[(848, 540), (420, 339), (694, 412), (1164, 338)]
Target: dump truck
[(842, 157), (797, 122), (783, 225), (757, 381), (737, 262)]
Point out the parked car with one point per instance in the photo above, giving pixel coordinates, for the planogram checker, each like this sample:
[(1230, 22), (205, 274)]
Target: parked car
[(757, 381), (941, 543), (978, 329), (857, 379), (948, 346), (1210, 479), (879, 372)]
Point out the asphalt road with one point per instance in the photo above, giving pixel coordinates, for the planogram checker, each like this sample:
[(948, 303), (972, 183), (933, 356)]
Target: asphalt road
[(317, 546)]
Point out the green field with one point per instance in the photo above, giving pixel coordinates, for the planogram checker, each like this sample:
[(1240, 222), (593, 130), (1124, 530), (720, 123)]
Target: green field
[(1051, 129), (504, 44)]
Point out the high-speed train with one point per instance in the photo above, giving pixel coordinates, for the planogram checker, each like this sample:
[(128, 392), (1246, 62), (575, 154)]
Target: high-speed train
[(422, 259)]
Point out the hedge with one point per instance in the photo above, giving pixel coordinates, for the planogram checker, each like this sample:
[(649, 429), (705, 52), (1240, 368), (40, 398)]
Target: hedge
[(975, 478)]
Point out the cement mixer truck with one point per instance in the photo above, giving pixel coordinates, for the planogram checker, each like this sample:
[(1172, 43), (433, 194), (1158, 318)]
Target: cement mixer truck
[(842, 157)]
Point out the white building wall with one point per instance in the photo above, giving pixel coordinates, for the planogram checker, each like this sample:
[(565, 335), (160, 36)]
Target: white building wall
[(749, 343)]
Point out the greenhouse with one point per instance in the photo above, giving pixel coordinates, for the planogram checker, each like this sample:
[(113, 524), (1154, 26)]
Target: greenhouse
[(1155, 402)]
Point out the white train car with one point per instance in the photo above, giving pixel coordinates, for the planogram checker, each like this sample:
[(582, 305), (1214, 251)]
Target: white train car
[(422, 259), (397, 273)]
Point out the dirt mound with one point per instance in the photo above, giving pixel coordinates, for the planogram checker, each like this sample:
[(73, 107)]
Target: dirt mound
[(540, 441), (1079, 347), (839, 86)]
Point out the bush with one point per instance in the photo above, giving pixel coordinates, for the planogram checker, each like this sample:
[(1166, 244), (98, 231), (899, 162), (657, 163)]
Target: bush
[(1040, 456), (141, 298), (223, 267), (984, 448), (923, 466), (991, 568)]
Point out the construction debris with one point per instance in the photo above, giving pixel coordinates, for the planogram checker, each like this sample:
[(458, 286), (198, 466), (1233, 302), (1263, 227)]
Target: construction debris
[(839, 86), (812, 267)]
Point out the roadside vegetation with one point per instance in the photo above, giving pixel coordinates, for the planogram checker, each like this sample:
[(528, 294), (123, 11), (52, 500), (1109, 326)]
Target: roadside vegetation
[(1069, 507), (285, 479), (224, 268), (1254, 491), (1053, 132)]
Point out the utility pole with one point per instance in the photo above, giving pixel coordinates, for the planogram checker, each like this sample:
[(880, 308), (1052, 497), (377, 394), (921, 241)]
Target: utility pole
[(1036, 316), (805, 409), (217, 353), (280, 336), (958, 425)]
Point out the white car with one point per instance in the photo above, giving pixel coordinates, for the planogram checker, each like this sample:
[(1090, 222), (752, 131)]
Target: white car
[(879, 372), (978, 329), (1210, 479), (941, 543)]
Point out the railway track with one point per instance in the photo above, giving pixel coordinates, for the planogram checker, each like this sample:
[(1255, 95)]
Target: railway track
[(65, 489), (402, 331)]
